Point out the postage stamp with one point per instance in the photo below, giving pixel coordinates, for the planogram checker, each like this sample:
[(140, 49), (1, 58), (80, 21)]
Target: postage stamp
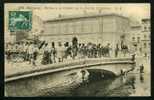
[(20, 20)]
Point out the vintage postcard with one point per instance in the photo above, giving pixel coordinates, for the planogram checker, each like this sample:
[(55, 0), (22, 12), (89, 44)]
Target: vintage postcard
[(77, 49)]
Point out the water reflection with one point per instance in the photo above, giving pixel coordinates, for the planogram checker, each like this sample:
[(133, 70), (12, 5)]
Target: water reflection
[(129, 85), (141, 78), (121, 86)]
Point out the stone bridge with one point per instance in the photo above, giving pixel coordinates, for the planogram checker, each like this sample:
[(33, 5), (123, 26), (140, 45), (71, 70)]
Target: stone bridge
[(53, 77)]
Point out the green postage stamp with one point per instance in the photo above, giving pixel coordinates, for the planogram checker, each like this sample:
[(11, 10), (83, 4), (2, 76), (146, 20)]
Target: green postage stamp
[(20, 20)]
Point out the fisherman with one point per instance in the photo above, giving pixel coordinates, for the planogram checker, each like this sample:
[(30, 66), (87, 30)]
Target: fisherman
[(83, 51), (85, 75), (26, 52), (123, 72), (142, 69), (133, 82), (133, 57), (68, 52), (116, 50), (99, 53), (8, 52), (74, 47), (60, 52), (84, 47), (35, 54), (30, 53), (45, 54), (107, 50), (53, 53), (79, 54), (49, 60), (102, 51), (141, 78), (94, 51)]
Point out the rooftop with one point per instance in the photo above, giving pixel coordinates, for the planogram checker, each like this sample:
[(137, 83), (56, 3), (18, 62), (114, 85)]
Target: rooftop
[(87, 15)]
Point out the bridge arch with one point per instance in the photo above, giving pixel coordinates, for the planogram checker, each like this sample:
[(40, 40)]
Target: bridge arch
[(96, 74), (62, 74), (93, 74)]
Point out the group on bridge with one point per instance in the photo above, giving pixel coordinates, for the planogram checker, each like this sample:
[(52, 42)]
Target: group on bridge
[(48, 53)]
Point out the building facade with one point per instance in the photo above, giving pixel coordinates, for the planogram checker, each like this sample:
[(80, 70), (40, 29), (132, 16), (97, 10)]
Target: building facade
[(140, 37), (135, 37), (100, 28), (37, 25), (146, 37)]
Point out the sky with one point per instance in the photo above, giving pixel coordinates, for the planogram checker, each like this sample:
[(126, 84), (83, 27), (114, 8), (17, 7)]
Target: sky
[(49, 11)]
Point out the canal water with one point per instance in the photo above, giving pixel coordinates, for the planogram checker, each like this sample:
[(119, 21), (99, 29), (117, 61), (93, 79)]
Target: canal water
[(130, 85), (133, 84)]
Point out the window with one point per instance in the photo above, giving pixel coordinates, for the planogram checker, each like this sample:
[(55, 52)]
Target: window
[(138, 39), (145, 36), (145, 28), (145, 45), (140, 49), (122, 36), (74, 27), (65, 28), (133, 38)]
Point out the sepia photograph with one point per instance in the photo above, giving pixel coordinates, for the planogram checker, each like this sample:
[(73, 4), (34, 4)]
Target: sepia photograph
[(77, 49)]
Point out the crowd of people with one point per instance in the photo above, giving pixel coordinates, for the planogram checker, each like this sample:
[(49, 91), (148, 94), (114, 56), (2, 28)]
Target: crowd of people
[(49, 53)]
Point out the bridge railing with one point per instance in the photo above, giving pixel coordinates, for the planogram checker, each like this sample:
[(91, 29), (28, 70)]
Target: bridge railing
[(98, 60), (81, 62)]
